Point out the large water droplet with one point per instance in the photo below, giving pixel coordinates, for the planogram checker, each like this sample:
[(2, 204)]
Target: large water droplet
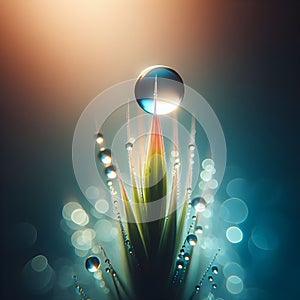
[(111, 172), (199, 204), (215, 269), (192, 239), (170, 89), (92, 263), (105, 156)]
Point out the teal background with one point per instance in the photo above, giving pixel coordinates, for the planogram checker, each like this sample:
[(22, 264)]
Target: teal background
[(248, 71)]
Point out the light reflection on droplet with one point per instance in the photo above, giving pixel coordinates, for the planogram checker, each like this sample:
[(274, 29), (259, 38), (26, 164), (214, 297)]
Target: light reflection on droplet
[(199, 204), (215, 269), (110, 172), (192, 239), (198, 229), (105, 156), (170, 89), (92, 263), (99, 138), (129, 146)]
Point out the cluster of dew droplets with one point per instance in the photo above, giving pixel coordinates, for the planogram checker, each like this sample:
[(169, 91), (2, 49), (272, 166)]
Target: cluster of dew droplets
[(79, 289), (93, 263), (214, 271), (184, 256), (111, 173), (118, 284)]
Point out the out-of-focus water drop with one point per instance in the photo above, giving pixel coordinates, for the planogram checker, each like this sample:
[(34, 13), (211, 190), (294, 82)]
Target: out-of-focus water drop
[(210, 296), (105, 156), (215, 269), (129, 146), (110, 172), (170, 89), (210, 278), (186, 257), (180, 264), (191, 239), (198, 229), (99, 138), (191, 147), (92, 263), (199, 204)]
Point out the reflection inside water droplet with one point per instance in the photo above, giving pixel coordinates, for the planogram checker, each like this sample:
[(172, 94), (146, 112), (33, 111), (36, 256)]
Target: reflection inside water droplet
[(92, 263), (170, 89)]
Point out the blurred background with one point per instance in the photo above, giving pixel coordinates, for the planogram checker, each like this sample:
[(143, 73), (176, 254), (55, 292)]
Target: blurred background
[(56, 56)]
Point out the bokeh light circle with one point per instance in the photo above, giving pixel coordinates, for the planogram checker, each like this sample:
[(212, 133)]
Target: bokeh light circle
[(237, 187), (234, 234), (234, 210), (233, 268), (264, 238), (102, 206), (234, 284), (39, 263)]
